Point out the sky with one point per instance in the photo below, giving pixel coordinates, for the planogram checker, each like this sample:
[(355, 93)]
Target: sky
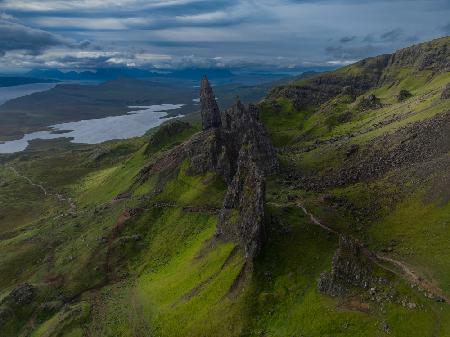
[(253, 34)]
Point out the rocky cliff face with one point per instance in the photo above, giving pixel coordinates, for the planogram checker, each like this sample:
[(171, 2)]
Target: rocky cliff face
[(366, 74), (239, 151)]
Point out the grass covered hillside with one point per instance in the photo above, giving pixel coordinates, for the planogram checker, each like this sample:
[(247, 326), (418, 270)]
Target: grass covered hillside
[(194, 231)]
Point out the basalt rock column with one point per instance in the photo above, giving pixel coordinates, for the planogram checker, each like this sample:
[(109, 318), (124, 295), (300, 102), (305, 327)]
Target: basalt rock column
[(210, 110)]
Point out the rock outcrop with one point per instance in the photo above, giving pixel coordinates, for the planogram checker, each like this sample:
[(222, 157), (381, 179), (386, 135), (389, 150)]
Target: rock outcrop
[(239, 151), (350, 269), (209, 108)]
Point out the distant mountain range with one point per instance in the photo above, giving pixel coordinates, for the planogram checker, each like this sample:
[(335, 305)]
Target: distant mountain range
[(217, 75), (106, 74)]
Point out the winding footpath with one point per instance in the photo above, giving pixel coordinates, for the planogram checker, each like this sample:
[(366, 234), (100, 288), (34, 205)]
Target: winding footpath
[(58, 196), (430, 290)]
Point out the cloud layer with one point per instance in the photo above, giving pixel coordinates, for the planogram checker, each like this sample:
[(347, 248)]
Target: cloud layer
[(281, 34)]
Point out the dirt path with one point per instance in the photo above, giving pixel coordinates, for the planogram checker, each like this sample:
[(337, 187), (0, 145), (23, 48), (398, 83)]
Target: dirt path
[(407, 272), (46, 193), (42, 188)]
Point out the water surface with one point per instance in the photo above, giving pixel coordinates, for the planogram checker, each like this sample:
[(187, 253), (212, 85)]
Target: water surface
[(94, 131)]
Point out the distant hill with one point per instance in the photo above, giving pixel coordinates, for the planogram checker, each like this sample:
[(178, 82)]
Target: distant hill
[(6, 81)]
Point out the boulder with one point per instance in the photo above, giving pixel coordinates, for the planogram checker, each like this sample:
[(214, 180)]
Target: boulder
[(350, 268)]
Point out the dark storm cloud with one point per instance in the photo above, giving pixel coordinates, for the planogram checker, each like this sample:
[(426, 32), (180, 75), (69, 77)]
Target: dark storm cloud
[(446, 29), (347, 39), (350, 53), (392, 35), (165, 33), (16, 36)]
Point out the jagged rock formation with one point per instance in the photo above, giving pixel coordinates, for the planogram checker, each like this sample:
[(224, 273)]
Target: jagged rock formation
[(209, 108), (241, 153), (242, 128), (350, 268)]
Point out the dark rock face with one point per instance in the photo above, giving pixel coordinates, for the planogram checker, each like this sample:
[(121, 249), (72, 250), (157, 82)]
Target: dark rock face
[(350, 269), (403, 95), (210, 110), (241, 153), (446, 92), (242, 215)]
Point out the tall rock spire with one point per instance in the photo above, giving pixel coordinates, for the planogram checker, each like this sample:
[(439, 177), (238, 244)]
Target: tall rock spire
[(210, 110)]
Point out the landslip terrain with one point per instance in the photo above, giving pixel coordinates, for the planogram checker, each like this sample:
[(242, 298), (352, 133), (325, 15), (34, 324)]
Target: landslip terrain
[(322, 210)]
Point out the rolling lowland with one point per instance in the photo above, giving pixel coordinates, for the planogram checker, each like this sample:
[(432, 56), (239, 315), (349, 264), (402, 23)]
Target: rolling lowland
[(322, 210)]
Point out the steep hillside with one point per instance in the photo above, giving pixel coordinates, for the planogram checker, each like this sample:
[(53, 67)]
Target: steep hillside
[(340, 228)]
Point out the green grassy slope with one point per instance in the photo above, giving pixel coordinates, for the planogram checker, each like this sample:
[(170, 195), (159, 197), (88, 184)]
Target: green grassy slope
[(109, 251)]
